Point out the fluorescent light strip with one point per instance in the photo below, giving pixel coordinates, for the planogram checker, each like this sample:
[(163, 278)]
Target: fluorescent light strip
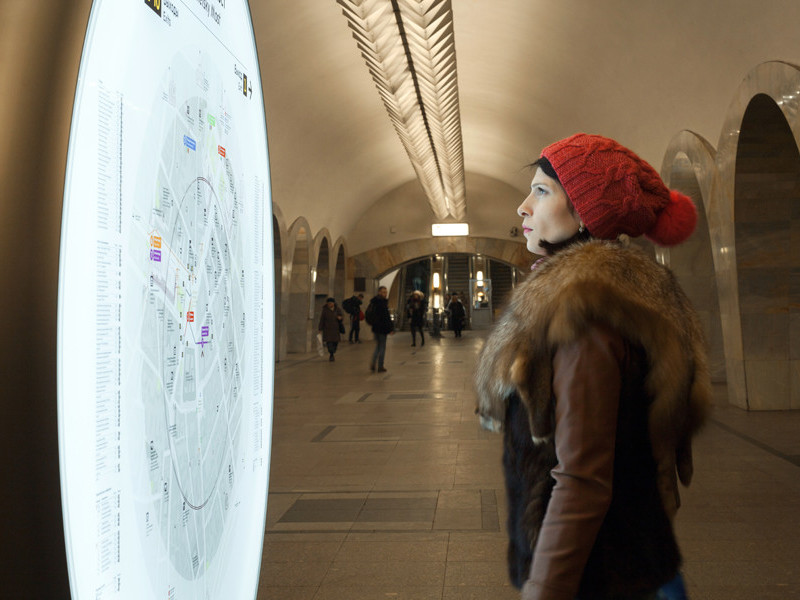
[(409, 49)]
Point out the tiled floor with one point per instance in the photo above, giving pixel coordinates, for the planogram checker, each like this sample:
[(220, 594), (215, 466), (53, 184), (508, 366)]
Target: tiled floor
[(383, 486)]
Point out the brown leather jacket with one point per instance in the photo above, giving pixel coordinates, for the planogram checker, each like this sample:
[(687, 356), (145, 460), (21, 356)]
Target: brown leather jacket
[(597, 374), (605, 532)]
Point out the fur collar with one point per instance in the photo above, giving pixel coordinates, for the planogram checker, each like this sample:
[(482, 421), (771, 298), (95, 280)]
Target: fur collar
[(601, 282)]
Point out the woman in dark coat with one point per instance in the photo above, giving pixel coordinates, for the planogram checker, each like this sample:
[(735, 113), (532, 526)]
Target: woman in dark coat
[(416, 307), (329, 325), (457, 314), (597, 375)]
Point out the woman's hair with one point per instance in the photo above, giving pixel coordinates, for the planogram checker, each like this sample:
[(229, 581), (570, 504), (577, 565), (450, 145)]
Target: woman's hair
[(552, 248), (546, 167)]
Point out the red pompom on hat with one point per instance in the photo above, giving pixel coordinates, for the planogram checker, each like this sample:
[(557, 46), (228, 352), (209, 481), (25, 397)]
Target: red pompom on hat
[(615, 192)]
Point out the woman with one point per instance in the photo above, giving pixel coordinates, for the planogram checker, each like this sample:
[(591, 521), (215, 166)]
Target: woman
[(330, 324), (597, 375), (457, 314), (416, 307)]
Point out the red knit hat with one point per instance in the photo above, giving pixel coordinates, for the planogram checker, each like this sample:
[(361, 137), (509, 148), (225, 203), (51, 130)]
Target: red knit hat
[(614, 191)]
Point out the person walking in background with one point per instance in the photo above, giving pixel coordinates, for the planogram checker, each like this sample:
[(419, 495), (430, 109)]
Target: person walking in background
[(597, 376), (331, 326), (352, 306), (416, 309), (457, 314), (377, 315)]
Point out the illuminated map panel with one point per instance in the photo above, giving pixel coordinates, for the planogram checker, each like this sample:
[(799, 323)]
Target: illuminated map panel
[(166, 305)]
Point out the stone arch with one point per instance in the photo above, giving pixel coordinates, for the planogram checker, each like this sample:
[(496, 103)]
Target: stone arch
[(297, 295), (379, 261), (321, 274), (339, 273), (278, 235), (761, 326), (689, 167)]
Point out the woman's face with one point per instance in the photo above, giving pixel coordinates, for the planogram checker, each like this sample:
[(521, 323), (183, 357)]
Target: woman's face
[(546, 213)]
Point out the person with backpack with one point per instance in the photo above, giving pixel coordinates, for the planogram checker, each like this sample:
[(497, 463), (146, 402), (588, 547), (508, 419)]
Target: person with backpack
[(377, 315), (352, 306)]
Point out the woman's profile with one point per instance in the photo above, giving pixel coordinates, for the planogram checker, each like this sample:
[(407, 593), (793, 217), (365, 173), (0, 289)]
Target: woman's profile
[(597, 376)]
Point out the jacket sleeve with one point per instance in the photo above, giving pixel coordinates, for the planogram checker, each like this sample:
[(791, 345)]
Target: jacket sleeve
[(586, 385)]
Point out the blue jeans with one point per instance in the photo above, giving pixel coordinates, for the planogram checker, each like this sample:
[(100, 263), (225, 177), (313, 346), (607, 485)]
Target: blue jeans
[(380, 349), (674, 590), (355, 327)]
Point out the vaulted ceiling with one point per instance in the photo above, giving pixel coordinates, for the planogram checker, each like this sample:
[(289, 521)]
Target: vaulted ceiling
[(528, 73)]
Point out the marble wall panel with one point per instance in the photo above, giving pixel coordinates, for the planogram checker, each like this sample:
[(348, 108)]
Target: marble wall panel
[(794, 240), (794, 335), (763, 243), (755, 216), (767, 176), (794, 394), (339, 275), (278, 234), (764, 290), (297, 294), (689, 167), (765, 336), (768, 384)]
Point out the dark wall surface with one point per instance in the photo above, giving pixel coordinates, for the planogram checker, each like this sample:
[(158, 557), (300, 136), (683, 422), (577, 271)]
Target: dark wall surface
[(41, 44)]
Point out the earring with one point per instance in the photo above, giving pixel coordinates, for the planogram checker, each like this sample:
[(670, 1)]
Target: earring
[(582, 228)]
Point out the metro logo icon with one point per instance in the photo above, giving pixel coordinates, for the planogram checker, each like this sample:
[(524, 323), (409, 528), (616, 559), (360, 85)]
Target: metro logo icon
[(155, 5)]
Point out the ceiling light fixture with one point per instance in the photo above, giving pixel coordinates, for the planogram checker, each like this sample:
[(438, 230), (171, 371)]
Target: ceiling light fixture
[(409, 49), (443, 229)]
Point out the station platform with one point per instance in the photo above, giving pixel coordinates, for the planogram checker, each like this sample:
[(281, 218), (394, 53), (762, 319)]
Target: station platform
[(383, 486)]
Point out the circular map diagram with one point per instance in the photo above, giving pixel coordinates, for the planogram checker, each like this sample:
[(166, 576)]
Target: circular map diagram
[(194, 323), (165, 306)]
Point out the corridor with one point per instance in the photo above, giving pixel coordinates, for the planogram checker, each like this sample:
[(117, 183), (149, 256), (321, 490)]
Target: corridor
[(383, 486)]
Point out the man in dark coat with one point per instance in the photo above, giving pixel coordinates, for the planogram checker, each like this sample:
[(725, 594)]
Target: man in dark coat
[(382, 326)]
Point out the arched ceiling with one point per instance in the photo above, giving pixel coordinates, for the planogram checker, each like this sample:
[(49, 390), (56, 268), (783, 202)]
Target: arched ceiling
[(529, 73)]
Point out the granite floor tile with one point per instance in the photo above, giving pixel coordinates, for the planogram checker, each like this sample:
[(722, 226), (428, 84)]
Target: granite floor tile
[(390, 574), (505, 592), (373, 592), (293, 574), (477, 547), (413, 550), (476, 573), (383, 486), (288, 592)]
